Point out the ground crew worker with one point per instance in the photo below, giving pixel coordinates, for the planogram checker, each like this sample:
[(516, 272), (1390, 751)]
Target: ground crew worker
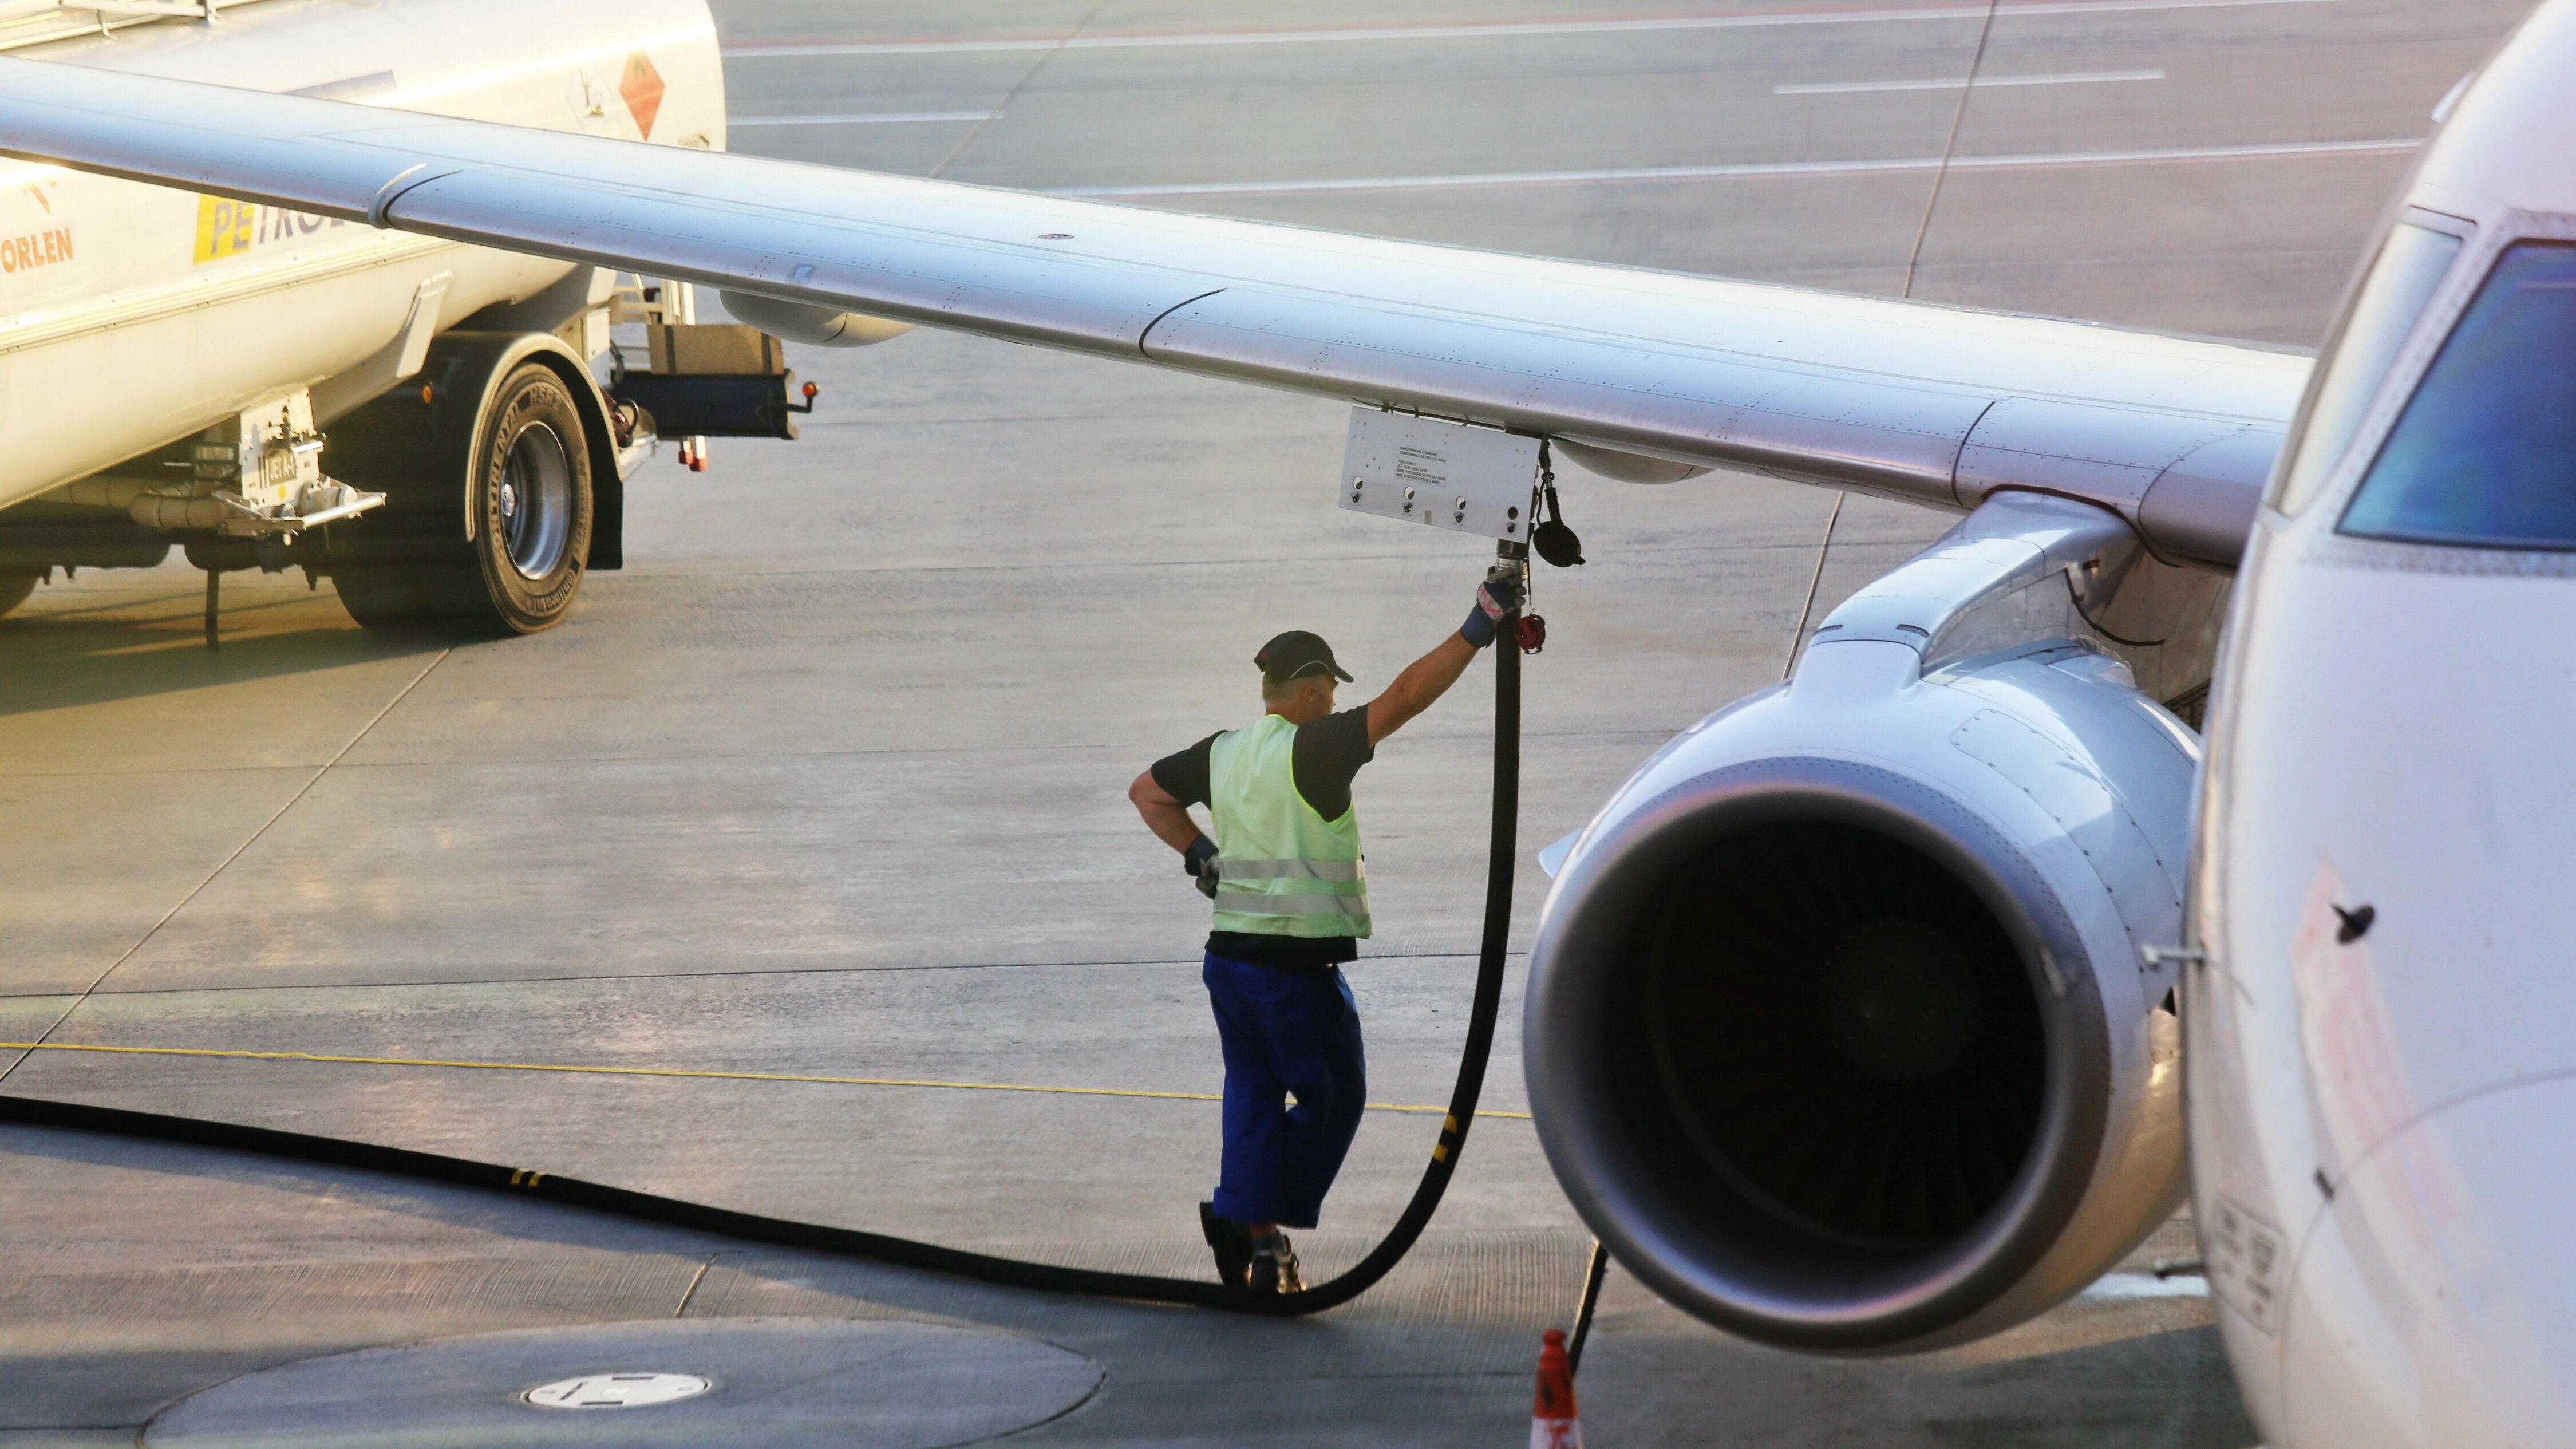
[(1291, 892)]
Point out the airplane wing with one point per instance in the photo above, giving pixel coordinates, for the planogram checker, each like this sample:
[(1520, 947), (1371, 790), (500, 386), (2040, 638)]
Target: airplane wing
[(1938, 405)]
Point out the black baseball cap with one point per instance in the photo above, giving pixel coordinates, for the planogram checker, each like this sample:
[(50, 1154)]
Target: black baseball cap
[(1296, 654)]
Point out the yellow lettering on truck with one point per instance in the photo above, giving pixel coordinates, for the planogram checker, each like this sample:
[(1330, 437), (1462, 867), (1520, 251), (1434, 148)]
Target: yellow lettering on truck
[(225, 227)]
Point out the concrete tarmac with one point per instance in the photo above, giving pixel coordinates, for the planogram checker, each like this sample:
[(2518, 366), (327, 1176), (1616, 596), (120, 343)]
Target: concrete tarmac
[(828, 783)]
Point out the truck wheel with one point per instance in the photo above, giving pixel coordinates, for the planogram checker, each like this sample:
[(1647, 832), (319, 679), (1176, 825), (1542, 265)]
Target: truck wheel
[(14, 589), (502, 555)]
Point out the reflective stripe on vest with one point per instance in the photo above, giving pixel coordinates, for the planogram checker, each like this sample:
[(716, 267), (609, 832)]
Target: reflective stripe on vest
[(1282, 869), (1262, 904), (1292, 870)]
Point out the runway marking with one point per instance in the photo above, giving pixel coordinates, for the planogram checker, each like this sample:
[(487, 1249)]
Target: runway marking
[(226, 863), (2259, 151), (1949, 149), (2125, 1287), (56, 1046), (1736, 20), (1952, 83), (865, 118), (995, 113)]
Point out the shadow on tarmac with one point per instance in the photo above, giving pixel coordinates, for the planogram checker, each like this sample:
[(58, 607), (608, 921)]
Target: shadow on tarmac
[(1440, 1353), (456, 1207), (127, 648)]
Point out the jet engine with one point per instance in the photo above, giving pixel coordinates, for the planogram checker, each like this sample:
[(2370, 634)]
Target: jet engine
[(1839, 1030)]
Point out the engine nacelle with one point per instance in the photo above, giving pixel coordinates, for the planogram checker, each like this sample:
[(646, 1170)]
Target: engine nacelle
[(1839, 1032)]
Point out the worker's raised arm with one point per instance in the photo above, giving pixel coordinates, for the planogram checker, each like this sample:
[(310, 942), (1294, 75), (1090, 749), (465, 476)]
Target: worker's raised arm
[(1430, 676)]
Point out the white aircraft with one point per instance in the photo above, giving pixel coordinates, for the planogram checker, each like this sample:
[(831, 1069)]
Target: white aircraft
[(1861, 1018)]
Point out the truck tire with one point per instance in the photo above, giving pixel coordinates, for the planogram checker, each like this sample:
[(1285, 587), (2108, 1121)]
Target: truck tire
[(14, 589), (501, 551)]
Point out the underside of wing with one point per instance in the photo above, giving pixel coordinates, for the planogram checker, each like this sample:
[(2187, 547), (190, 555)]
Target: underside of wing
[(1934, 404)]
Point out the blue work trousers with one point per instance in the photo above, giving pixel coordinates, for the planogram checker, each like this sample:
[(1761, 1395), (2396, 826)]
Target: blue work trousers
[(1286, 1034)]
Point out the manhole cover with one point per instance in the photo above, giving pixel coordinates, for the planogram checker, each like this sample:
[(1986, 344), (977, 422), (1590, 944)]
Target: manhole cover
[(616, 1391), (780, 1383)]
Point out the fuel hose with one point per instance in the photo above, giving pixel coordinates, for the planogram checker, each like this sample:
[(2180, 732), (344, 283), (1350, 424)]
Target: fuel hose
[(906, 1252)]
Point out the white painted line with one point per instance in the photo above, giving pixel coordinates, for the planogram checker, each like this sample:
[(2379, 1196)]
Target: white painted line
[(1952, 83), (869, 118), (2127, 1287), (1754, 168), (1493, 30)]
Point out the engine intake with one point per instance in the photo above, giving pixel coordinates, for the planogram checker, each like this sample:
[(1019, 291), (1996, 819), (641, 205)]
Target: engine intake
[(1837, 1032), (1864, 1080)]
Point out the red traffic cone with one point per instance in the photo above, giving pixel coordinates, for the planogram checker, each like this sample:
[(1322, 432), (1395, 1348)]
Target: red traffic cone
[(1553, 1424)]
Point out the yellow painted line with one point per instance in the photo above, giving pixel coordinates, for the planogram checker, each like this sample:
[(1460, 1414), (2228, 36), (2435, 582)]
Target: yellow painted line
[(56, 1046)]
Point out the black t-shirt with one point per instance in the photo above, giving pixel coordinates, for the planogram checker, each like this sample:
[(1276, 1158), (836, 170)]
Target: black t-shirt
[(1323, 758)]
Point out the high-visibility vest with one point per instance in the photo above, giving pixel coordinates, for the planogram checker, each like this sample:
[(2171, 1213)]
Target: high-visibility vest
[(1282, 869)]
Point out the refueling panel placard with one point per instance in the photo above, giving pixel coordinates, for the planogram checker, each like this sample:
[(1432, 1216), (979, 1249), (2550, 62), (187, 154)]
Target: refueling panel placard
[(1422, 470)]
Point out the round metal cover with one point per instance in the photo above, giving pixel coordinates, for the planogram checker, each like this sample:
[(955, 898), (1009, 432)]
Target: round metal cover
[(615, 1391), (780, 1383)]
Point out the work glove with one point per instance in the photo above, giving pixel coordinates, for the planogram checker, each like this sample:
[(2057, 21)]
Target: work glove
[(1199, 861), (1497, 596)]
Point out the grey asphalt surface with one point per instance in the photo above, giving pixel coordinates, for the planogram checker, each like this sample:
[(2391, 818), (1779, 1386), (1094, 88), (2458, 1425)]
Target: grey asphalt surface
[(829, 782)]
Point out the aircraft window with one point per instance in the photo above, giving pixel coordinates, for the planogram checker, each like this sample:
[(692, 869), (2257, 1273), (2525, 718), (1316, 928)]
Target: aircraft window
[(2409, 264), (2485, 454)]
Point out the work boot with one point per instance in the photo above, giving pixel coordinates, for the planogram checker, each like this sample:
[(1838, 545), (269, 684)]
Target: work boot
[(1274, 1266), (1230, 1241)]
